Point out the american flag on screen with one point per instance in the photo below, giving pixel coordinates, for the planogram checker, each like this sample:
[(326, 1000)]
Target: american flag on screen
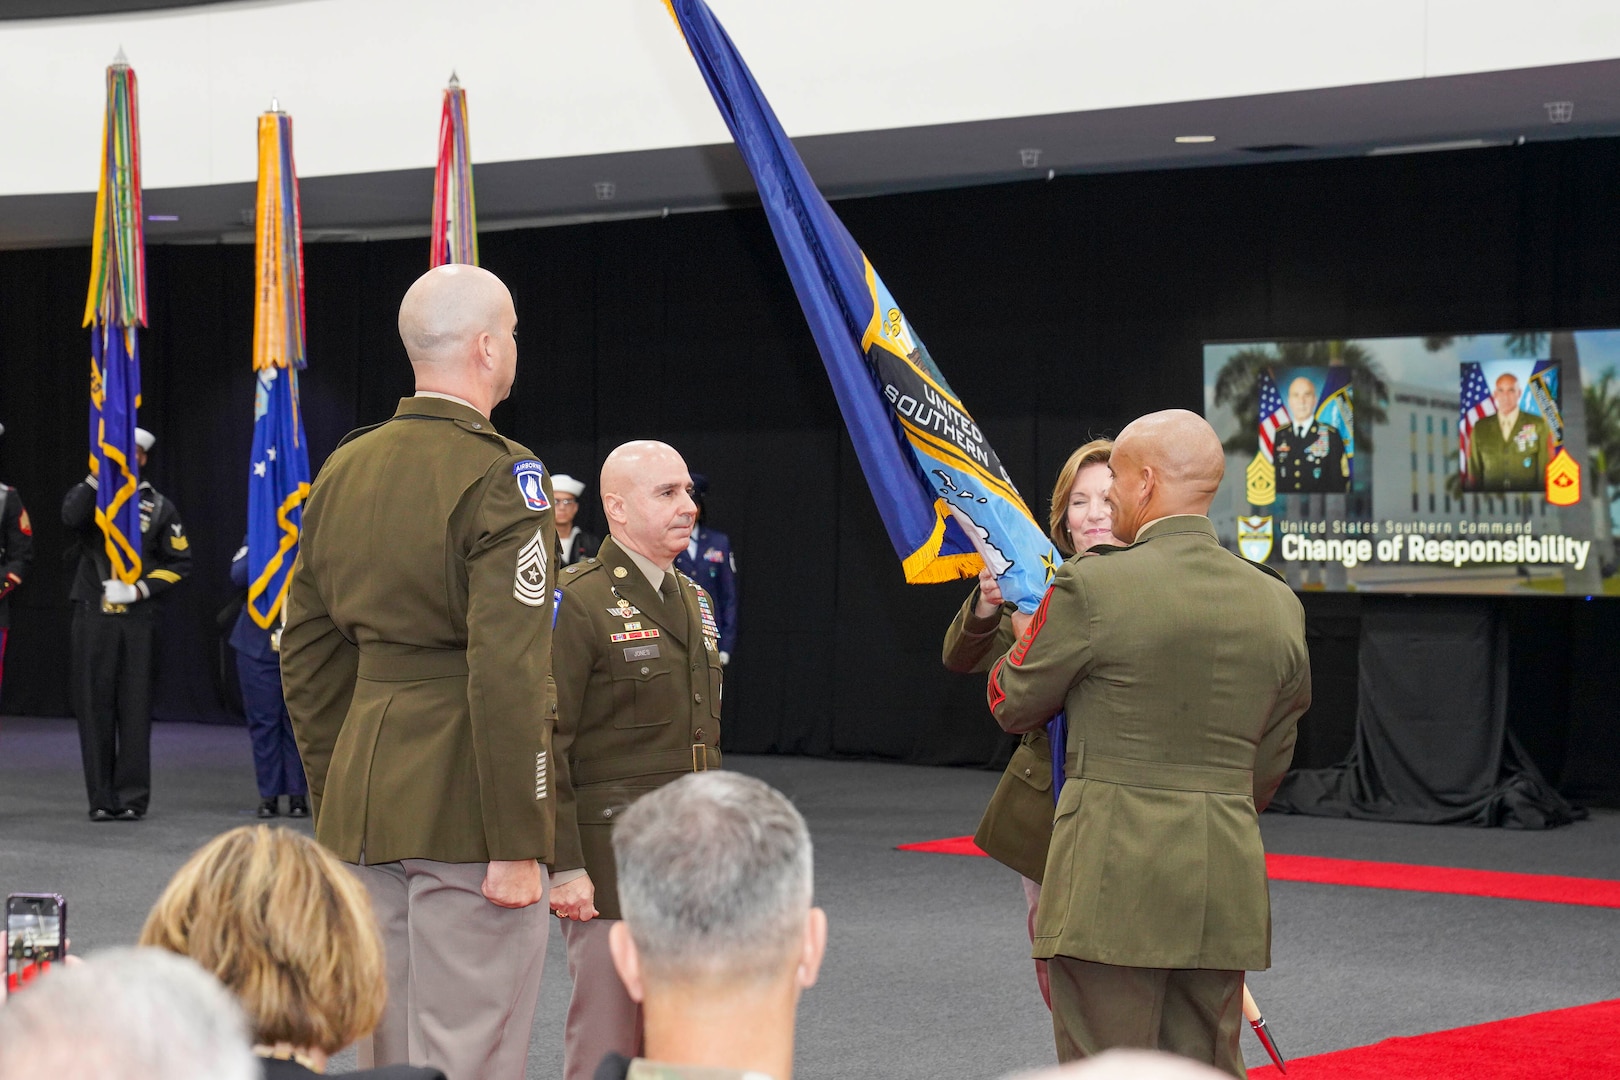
[(1477, 404), (1273, 413)]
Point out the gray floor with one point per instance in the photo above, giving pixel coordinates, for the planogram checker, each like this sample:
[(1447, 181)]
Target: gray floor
[(927, 973)]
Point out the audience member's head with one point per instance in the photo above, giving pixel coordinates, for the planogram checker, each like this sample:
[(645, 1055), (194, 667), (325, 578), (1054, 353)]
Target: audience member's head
[(719, 937), (459, 327), (1164, 463), (647, 498), (130, 1014), (286, 928), (1126, 1065)]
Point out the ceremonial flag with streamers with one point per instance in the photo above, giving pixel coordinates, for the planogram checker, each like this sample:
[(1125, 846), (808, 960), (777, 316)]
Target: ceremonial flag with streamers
[(278, 480), (114, 309), (455, 218), (949, 506)]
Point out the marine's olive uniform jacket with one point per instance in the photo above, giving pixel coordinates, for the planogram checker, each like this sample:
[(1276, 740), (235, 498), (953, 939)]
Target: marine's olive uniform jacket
[(1017, 824), (638, 702), (416, 654), (1184, 672), (1512, 462)]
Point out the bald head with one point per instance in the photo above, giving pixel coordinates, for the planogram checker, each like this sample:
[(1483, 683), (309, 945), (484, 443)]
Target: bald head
[(1164, 463), (647, 497), (459, 326)]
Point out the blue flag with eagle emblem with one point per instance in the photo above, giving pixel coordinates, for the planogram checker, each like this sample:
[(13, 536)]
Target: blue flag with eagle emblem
[(949, 506)]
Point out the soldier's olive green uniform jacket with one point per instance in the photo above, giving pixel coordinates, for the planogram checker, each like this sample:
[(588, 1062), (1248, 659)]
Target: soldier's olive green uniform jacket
[(1184, 672), (1514, 462), (638, 702), (416, 654), (1017, 824)]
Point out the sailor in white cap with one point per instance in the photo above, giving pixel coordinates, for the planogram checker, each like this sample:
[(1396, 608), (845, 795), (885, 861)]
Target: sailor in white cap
[(114, 626), (574, 543), (16, 552)]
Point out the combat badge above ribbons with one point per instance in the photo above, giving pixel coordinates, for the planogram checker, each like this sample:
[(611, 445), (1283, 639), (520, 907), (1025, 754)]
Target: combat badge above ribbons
[(529, 475)]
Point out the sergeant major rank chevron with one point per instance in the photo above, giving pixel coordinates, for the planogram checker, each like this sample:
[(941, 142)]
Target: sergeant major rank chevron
[(529, 584)]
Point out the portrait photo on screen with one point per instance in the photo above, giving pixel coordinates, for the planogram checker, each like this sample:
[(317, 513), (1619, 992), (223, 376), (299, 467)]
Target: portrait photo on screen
[(1509, 424), (1313, 436)]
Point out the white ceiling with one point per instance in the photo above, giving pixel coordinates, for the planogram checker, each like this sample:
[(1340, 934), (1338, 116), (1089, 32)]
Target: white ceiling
[(881, 95)]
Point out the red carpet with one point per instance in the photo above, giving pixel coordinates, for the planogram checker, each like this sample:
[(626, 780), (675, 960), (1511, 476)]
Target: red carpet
[(1543, 888), (1582, 1043)]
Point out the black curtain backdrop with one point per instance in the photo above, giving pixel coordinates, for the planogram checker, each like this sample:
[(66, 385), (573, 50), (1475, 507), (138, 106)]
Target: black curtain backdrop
[(1059, 310)]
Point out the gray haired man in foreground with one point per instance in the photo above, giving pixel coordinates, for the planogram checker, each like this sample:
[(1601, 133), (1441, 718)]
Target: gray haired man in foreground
[(718, 938)]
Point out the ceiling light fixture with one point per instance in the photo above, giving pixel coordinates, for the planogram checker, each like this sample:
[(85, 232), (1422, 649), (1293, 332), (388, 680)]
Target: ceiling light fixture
[(1195, 138)]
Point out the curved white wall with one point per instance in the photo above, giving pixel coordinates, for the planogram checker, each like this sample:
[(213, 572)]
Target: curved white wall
[(556, 78)]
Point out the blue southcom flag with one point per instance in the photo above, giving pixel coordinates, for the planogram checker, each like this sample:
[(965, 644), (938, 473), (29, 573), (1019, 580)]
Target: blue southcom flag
[(949, 506), (278, 484)]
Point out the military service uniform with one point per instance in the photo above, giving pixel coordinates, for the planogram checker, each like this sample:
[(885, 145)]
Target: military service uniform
[(16, 553), (709, 561), (1314, 461), (1016, 828), (1514, 461), (1184, 673), (416, 665), (112, 649), (638, 705)]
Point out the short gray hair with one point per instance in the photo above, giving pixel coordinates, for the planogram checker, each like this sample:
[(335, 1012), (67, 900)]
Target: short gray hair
[(128, 1014), (715, 875)]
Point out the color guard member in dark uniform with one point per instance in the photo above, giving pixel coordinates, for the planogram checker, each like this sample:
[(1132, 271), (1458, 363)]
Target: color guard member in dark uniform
[(279, 769), (16, 553), (573, 543), (114, 624), (709, 561)]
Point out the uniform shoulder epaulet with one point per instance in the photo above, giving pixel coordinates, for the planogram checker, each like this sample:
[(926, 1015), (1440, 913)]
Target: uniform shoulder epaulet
[(1262, 567), (580, 570), (357, 432)]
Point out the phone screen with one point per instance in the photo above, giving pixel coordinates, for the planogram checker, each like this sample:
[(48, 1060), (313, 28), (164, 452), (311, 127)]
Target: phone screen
[(34, 941)]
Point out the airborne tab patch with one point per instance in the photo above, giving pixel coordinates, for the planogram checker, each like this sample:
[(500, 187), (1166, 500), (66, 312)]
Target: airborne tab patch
[(529, 474)]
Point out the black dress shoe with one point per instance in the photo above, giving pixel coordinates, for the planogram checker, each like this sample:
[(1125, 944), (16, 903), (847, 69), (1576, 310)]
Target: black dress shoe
[(98, 814), (127, 814), (297, 806), (267, 808)]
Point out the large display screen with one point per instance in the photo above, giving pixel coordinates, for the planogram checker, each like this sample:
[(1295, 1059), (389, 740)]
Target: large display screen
[(1455, 463)]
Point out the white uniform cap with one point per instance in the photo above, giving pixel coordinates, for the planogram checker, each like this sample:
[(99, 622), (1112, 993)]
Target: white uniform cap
[(145, 439), (563, 482)]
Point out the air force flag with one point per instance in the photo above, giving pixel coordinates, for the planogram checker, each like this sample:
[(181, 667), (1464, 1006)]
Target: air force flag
[(278, 484)]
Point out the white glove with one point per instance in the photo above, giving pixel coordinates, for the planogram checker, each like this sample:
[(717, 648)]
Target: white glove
[(725, 658), (119, 592)]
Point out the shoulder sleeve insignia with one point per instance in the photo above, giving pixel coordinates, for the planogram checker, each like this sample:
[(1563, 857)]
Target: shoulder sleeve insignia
[(530, 476)]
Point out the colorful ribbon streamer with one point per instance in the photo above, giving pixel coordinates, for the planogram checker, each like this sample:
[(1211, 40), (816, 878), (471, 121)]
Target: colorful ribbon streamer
[(455, 217)]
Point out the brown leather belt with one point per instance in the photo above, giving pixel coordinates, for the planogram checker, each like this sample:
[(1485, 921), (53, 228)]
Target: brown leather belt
[(696, 758)]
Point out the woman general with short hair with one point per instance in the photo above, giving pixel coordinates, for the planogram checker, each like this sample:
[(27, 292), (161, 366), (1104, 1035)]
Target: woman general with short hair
[(288, 930), (1017, 825)]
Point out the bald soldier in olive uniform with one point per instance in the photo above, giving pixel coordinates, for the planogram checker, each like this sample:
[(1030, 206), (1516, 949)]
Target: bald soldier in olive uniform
[(637, 662), (1184, 672), (1508, 451), (416, 664)]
